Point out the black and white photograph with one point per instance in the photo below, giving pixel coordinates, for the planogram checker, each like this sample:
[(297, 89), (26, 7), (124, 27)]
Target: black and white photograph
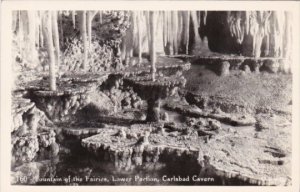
[(142, 97)]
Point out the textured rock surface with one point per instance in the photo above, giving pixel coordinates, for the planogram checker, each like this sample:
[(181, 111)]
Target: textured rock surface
[(26, 117), (235, 119), (31, 146), (228, 152), (238, 93)]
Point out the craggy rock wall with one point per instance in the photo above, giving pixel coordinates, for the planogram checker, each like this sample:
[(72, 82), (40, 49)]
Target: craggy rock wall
[(30, 137)]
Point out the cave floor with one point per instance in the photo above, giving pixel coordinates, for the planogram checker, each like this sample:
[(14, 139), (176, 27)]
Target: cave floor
[(257, 152), (263, 90)]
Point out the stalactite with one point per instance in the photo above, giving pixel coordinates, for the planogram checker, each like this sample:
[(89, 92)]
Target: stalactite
[(196, 26), (247, 15), (56, 37), (84, 39), (175, 32), (20, 33), (37, 30), (129, 39), (287, 45), (41, 37), (148, 30), (47, 30), (186, 21), (165, 30), (153, 50), (180, 30), (139, 33), (61, 28), (197, 39), (90, 17), (89, 28), (236, 27), (14, 21), (279, 18), (199, 17), (74, 19), (170, 38), (205, 17), (31, 34), (100, 17)]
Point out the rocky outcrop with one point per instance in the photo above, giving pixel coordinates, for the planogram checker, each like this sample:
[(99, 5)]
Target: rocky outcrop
[(28, 147), (129, 148), (221, 151), (27, 117)]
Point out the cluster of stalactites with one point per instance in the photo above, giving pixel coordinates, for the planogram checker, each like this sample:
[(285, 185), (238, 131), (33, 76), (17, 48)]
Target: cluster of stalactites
[(271, 28), (44, 29), (172, 31), (35, 30)]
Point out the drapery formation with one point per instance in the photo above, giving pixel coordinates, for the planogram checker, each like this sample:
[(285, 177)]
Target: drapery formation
[(258, 33), (175, 31), (270, 32)]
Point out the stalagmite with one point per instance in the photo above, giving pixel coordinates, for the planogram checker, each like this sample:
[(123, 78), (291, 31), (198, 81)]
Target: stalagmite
[(123, 48), (56, 37), (47, 30), (153, 50)]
